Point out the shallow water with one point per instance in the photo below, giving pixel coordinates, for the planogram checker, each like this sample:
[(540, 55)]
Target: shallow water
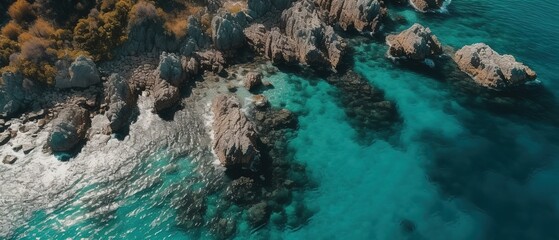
[(455, 169)]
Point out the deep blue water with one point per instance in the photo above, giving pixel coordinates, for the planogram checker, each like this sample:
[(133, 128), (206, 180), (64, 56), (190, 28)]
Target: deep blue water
[(460, 166)]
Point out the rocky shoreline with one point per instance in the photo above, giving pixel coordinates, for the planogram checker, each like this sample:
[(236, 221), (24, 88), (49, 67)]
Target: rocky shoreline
[(90, 102)]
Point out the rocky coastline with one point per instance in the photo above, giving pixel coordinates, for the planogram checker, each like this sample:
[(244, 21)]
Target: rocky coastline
[(249, 140)]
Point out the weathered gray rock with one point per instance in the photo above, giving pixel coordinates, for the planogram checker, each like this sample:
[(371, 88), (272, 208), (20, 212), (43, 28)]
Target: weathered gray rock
[(165, 96), (9, 159), (69, 128), (82, 73), (27, 148), (361, 15), (427, 5), (120, 99), (253, 80), (490, 69), (170, 69), (227, 31), (415, 43), (235, 138), (12, 94)]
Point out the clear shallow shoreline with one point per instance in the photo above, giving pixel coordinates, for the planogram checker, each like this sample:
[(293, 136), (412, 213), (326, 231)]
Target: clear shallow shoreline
[(457, 172)]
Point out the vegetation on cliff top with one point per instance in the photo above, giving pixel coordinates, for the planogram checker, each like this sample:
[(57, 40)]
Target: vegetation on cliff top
[(36, 34)]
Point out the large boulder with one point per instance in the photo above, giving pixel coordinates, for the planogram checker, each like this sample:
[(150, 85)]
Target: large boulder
[(170, 69), (427, 5), (69, 128), (235, 139), (211, 60), (416, 43), (82, 73), (227, 31), (253, 80), (13, 94), (490, 69), (120, 99), (361, 15), (165, 96), (257, 8)]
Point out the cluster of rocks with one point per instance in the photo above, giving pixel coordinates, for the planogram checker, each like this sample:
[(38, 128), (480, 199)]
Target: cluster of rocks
[(81, 73), (485, 66), (362, 16)]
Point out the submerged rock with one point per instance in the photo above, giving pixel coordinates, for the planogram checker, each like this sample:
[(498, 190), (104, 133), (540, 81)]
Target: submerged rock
[(120, 99), (490, 69), (258, 214), (415, 43), (69, 128), (82, 73), (427, 5), (361, 15), (235, 138)]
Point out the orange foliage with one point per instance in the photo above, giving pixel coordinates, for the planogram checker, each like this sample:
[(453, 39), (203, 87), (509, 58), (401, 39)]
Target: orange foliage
[(12, 30), (21, 11), (41, 28)]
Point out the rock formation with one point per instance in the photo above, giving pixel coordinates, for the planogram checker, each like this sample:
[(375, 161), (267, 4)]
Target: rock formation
[(211, 60), (427, 5), (165, 96), (81, 74), (416, 43), (490, 69), (253, 80), (120, 100), (170, 69), (303, 38), (69, 128), (15, 94), (361, 15), (235, 138), (227, 31)]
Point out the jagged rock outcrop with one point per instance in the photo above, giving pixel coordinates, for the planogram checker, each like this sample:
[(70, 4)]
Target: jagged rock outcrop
[(82, 73), (69, 128), (196, 37), (415, 43), (427, 5), (120, 100), (170, 69), (235, 141), (16, 93), (146, 32), (253, 80), (227, 31), (257, 8), (361, 15), (490, 69), (303, 39), (211, 60)]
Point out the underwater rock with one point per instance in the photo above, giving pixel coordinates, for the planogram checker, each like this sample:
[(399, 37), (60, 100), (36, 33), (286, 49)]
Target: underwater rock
[(427, 5), (361, 15), (120, 99), (82, 73), (241, 190), (416, 43), (490, 69), (258, 214), (69, 128), (235, 138), (253, 80)]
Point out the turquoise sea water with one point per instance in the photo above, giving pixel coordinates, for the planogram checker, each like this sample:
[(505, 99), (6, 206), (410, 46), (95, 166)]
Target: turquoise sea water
[(455, 169)]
